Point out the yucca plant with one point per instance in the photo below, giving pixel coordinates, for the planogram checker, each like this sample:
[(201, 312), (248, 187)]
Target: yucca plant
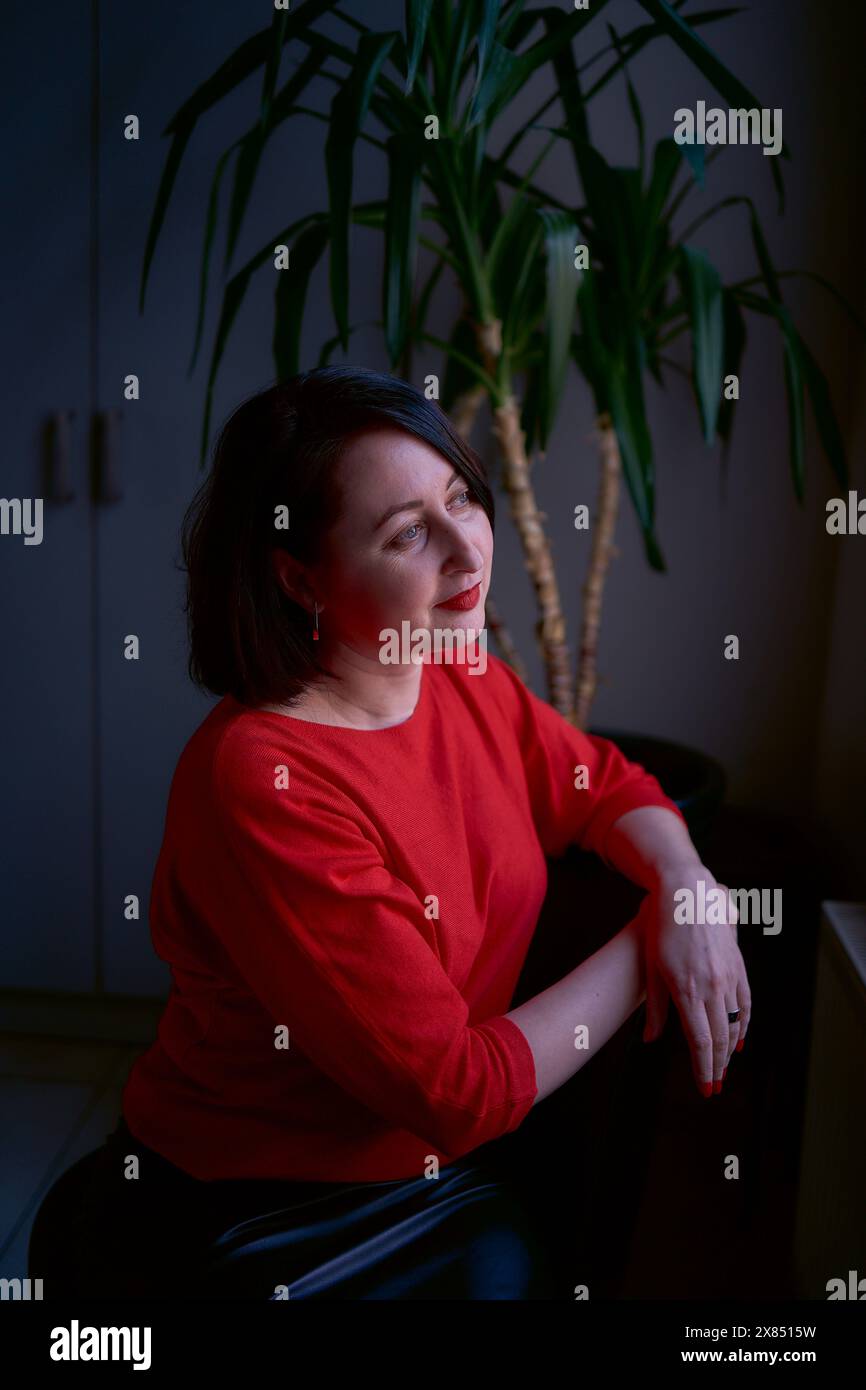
[(645, 286), (527, 311)]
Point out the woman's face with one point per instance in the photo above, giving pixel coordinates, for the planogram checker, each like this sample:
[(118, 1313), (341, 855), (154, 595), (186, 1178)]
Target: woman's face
[(410, 535)]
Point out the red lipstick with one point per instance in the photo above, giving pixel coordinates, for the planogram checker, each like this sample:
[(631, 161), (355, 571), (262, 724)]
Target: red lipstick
[(467, 599)]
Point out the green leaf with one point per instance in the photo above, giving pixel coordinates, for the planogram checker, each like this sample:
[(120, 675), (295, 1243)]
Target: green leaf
[(702, 287), (458, 378), (252, 144), (348, 113), (562, 279), (508, 72), (800, 368), (530, 410), (251, 54), (272, 66), (634, 104), (501, 81), (794, 378), (762, 252), (477, 375), (417, 20), (401, 240), (422, 307), (695, 156), (825, 417), (291, 294), (655, 257), (568, 83), (233, 296), (511, 257), (247, 163), (209, 232), (638, 234), (655, 367), (705, 60), (516, 27), (616, 380), (248, 56), (582, 356), (735, 345), (331, 345), (489, 21), (637, 39), (512, 13), (490, 211), (494, 170), (367, 214), (624, 391), (455, 59), (546, 49), (461, 230), (793, 362), (825, 284), (796, 402), (507, 248), (611, 201), (589, 347), (525, 299)]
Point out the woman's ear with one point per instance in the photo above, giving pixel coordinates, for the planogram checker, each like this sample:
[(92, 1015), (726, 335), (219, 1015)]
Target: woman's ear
[(292, 579)]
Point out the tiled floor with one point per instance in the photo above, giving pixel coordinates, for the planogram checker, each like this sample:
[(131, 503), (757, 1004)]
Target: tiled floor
[(59, 1098)]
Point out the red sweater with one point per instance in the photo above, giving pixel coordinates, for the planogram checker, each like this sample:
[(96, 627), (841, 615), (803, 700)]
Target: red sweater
[(367, 899)]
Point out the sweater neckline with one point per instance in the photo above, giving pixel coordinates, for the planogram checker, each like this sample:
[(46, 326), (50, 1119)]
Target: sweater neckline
[(315, 726)]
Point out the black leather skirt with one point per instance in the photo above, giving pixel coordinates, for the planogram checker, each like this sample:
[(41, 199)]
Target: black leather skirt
[(464, 1235)]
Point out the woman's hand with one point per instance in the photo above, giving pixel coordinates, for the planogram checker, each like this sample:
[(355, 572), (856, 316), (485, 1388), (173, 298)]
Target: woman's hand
[(699, 965)]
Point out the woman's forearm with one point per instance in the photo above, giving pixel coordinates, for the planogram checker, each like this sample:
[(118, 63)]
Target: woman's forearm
[(567, 1023), (648, 842)]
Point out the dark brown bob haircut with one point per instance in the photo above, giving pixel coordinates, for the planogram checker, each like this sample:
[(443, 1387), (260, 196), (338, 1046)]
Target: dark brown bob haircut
[(277, 452)]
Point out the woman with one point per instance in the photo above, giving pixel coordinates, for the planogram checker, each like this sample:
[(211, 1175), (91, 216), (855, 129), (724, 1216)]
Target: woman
[(351, 872)]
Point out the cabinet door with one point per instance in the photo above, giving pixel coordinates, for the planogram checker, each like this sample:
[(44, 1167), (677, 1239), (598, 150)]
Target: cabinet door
[(153, 58), (48, 853)]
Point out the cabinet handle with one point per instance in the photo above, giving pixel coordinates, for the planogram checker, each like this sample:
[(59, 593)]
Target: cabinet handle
[(58, 444), (106, 484)]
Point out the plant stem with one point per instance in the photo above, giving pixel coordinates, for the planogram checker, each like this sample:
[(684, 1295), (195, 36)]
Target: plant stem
[(528, 521), (602, 550), (465, 409), (504, 641)]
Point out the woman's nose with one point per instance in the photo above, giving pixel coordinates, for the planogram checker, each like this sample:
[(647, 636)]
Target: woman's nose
[(465, 556), (463, 552)]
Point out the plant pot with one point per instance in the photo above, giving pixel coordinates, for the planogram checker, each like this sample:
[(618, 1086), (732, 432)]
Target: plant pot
[(695, 781), (586, 902), (582, 1156)]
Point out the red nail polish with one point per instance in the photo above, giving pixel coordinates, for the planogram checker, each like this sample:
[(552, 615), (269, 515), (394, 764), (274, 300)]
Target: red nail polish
[(740, 1045), (706, 1088), (717, 1086)]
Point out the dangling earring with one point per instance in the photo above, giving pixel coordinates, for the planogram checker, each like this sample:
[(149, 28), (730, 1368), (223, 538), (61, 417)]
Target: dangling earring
[(316, 628)]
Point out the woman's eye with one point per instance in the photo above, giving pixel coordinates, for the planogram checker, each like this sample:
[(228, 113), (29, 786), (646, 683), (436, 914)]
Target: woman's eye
[(405, 538)]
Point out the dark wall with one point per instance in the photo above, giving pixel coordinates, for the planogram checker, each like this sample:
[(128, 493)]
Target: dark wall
[(90, 739)]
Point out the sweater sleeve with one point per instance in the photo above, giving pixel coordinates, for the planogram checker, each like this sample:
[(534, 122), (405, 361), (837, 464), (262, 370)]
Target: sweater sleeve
[(553, 752), (339, 950)]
